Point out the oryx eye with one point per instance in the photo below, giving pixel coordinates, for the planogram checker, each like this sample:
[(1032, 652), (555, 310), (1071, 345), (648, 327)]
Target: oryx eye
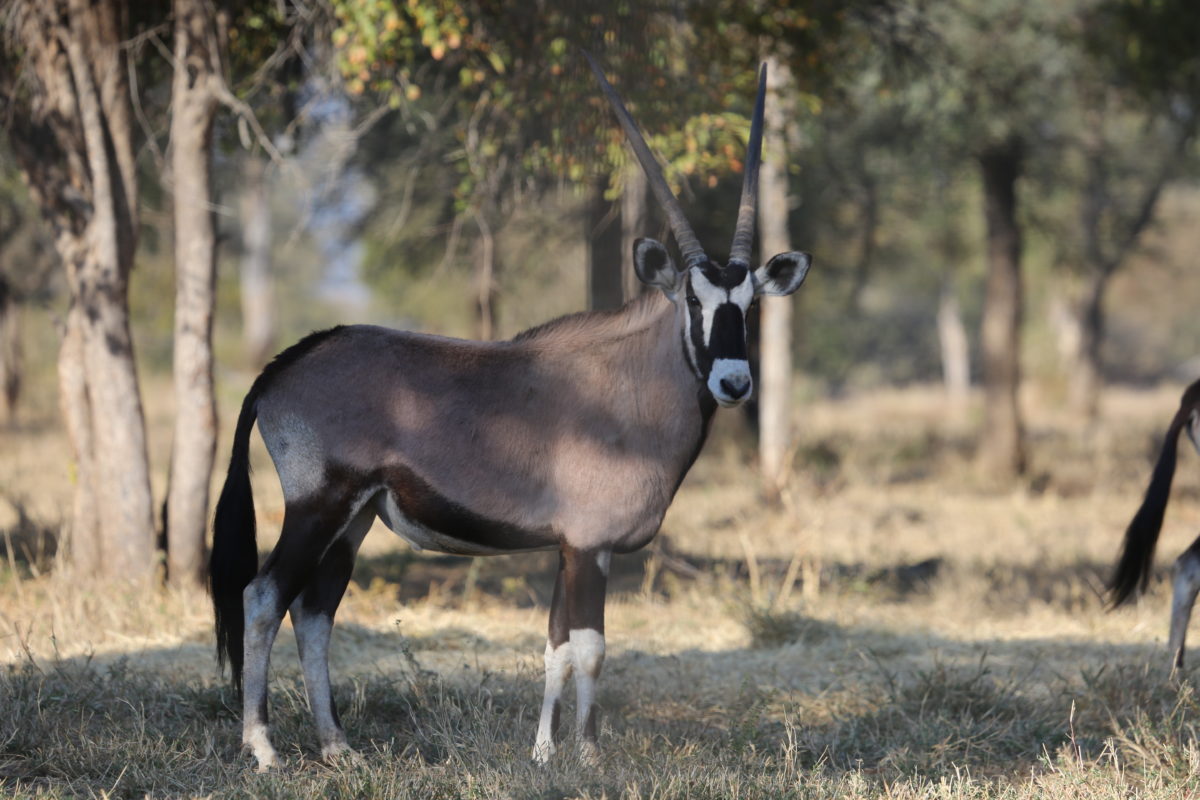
[(693, 300)]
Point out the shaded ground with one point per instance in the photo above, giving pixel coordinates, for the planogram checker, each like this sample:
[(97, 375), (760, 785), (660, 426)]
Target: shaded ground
[(896, 627)]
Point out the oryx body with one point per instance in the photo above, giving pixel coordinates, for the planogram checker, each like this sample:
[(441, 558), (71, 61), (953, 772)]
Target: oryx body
[(573, 436), (1137, 555)]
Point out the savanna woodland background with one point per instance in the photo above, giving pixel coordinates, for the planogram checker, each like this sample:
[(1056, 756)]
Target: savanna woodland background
[(887, 579)]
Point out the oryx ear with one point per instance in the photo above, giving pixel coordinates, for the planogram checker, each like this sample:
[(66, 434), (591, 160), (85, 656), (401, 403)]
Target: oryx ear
[(654, 266), (782, 275)]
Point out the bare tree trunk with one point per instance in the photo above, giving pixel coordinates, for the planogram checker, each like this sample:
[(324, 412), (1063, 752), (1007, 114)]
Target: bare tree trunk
[(1001, 447), (1085, 381), (198, 43), (603, 232), (84, 536), (635, 223), (75, 145), (1077, 319), (775, 326), (11, 355), (485, 279), (955, 350), (258, 297)]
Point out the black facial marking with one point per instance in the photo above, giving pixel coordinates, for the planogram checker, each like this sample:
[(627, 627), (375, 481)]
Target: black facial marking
[(732, 276), (728, 333), (703, 362), (728, 277)]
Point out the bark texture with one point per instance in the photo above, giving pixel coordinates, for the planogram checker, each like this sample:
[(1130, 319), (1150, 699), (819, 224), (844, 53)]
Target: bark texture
[(635, 223), (775, 325), (1002, 451), (71, 131), (198, 47), (955, 350), (603, 232), (258, 298), (11, 354)]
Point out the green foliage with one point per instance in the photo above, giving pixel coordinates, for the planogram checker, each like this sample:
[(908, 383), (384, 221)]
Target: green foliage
[(1148, 45)]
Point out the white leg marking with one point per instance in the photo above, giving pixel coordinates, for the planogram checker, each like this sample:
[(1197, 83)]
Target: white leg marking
[(558, 671), (1187, 585), (587, 652), (255, 738), (604, 561), (261, 627)]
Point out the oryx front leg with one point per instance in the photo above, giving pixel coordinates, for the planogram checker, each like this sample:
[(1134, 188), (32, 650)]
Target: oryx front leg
[(558, 670), (1186, 586), (586, 582)]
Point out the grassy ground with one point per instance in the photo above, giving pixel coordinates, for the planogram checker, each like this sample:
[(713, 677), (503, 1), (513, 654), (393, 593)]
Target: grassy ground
[(897, 628)]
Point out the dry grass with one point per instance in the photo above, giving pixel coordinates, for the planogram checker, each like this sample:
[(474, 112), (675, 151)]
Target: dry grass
[(897, 628)]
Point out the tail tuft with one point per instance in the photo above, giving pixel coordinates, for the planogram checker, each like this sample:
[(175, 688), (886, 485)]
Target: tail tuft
[(1132, 574), (233, 562)]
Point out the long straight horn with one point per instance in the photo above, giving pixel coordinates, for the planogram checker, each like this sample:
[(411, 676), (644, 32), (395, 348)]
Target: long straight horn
[(743, 235), (689, 245)]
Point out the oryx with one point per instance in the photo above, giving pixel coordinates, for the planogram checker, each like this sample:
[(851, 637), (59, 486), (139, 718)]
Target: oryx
[(573, 436), (1137, 554)]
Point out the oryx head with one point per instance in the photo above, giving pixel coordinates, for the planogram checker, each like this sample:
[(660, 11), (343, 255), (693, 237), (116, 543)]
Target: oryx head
[(713, 299)]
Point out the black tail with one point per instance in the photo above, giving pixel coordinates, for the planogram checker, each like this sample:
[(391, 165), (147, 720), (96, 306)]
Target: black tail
[(1137, 555), (234, 559), (233, 562)]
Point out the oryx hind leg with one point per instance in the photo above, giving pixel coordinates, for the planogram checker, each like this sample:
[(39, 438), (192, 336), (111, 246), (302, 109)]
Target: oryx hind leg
[(309, 527), (312, 615), (1186, 585)]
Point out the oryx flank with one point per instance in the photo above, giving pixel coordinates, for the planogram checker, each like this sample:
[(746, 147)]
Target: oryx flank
[(1137, 556), (573, 436)]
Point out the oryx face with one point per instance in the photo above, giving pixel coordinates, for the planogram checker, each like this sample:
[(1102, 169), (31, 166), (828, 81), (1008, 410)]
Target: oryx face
[(713, 301)]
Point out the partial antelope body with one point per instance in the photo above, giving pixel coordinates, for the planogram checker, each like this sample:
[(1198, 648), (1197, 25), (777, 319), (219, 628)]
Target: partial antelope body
[(573, 436), (1137, 555)]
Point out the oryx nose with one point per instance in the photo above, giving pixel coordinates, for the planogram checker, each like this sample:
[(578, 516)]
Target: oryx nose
[(735, 387)]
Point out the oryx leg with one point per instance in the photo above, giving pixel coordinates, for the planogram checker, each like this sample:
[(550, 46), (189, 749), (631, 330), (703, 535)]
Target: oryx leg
[(1187, 584), (585, 584), (312, 619), (558, 670), (308, 529)]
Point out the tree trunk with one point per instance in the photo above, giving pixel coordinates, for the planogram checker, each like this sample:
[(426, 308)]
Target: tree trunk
[(486, 269), (11, 356), (1001, 446), (258, 298), (955, 350), (635, 223), (1077, 319), (775, 325), (84, 538), (197, 60), (75, 145), (603, 232)]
